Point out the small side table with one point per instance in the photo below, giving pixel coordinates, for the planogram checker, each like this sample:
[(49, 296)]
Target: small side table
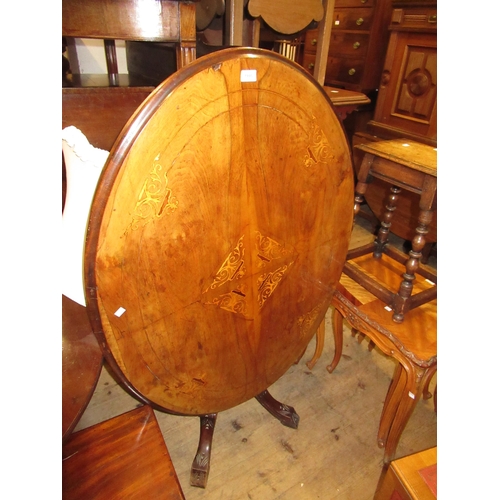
[(345, 101), (410, 478), (409, 165)]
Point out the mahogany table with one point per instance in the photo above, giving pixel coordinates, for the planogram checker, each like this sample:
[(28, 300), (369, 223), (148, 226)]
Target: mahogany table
[(81, 363)]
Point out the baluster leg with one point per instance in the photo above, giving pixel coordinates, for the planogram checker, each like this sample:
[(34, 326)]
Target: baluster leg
[(385, 224)]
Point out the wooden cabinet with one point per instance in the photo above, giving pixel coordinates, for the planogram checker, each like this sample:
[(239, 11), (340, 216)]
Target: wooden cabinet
[(357, 45), (407, 100)]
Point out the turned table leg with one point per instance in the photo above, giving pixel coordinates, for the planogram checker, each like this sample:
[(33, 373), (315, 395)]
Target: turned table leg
[(285, 414), (386, 222), (427, 204), (201, 462)]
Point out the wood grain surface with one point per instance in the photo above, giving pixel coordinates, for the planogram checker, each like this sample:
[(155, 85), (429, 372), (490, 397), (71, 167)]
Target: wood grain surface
[(219, 230)]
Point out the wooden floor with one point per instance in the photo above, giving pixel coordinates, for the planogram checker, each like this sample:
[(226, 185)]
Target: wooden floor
[(332, 455)]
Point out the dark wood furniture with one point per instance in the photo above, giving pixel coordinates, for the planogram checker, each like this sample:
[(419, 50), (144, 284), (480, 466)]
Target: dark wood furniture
[(357, 45), (124, 457), (407, 103), (81, 364), (287, 18), (112, 97), (171, 21), (217, 235), (412, 343), (411, 166)]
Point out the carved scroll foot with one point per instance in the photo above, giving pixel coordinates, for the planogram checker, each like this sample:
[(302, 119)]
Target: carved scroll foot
[(285, 414), (201, 462)]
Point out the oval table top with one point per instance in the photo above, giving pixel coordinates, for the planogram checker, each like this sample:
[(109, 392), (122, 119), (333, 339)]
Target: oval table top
[(219, 230)]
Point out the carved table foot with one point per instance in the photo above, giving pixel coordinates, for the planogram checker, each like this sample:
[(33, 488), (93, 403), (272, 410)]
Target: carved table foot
[(285, 414), (201, 462)]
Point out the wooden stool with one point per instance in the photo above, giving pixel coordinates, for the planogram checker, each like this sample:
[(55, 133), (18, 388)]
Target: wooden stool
[(412, 343), (405, 165), (124, 457), (410, 478)]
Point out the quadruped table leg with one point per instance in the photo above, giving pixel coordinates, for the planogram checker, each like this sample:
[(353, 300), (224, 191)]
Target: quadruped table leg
[(201, 462), (284, 413)]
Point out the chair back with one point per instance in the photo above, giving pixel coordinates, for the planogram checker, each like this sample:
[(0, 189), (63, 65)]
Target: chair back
[(98, 106), (147, 20), (287, 18)]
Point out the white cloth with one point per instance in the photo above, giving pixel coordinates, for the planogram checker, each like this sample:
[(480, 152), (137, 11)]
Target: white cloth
[(84, 164)]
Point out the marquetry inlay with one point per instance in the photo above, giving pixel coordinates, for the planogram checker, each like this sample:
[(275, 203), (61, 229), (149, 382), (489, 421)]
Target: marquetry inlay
[(155, 198), (319, 150), (249, 274)]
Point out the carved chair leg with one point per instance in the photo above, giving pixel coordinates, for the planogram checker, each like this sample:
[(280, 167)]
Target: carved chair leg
[(338, 339), (426, 394), (391, 404), (201, 462), (285, 414), (411, 394), (320, 343)]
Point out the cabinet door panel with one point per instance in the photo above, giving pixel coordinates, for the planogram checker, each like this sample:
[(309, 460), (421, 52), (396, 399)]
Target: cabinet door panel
[(408, 94)]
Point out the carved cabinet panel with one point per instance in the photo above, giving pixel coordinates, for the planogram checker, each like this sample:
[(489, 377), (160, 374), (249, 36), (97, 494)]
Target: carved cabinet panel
[(407, 101)]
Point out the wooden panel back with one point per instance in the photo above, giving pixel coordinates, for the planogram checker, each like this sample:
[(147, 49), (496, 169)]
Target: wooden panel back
[(101, 113), (145, 20), (219, 229)]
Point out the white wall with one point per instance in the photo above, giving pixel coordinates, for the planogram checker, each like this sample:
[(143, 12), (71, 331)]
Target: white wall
[(91, 57)]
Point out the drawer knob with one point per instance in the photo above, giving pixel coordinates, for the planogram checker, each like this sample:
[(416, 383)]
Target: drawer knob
[(352, 71), (311, 66), (432, 19), (356, 45), (360, 21), (363, 1), (314, 41)]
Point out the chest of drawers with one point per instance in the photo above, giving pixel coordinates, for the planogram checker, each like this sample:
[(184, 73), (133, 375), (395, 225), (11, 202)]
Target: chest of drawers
[(357, 46)]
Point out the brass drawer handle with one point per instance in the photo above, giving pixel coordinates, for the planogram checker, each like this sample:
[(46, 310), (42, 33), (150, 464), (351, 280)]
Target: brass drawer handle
[(352, 71), (356, 45), (360, 21), (432, 19), (311, 66), (314, 41)]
